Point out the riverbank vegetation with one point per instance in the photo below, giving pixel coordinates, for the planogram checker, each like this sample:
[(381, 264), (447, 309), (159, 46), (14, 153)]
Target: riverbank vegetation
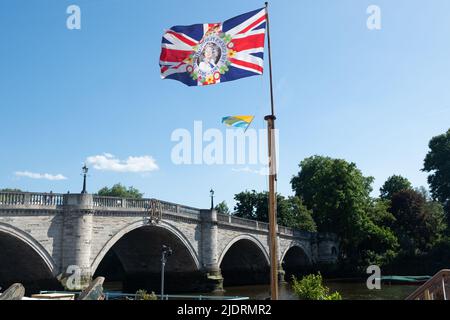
[(311, 287), (405, 229), (144, 295)]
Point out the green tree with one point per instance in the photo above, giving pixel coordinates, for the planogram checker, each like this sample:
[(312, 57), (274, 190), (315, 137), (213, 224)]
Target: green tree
[(247, 204), (222, 208), (298, 216), (424, 192), (379, 212), (336, 192), (418, 224), (120, 191), (290, 212), (339, 196), (437, 162), (311, 287), (393, 185), (254, 205)]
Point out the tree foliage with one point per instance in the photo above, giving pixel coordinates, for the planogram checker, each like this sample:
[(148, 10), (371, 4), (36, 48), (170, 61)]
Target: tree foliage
[(437, 162), (418, 224), (120, 191), (393, 185), (222, 208), (144, 295), (311, 287), (297, 215), (339, 196), (290, 212)]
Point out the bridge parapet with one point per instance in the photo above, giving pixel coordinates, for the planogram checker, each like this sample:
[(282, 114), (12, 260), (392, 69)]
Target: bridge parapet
[(28, 200), (261, 226), (139, 205), (31, 200)]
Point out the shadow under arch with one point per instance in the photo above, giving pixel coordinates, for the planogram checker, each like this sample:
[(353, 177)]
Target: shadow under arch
[(131, 259), (296, 261), (23, 259), (244, 261)]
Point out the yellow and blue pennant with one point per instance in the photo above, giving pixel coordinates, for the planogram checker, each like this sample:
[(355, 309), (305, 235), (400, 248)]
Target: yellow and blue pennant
[(238, 121)]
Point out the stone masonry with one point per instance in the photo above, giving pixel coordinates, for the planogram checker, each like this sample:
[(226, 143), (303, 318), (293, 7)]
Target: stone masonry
[(80, 229)]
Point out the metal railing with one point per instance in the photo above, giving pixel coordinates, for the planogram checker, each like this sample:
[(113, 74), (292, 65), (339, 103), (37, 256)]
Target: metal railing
[(133, 296), (437, 288)]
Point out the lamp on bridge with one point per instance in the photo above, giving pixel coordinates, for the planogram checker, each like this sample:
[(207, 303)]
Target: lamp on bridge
[(211, 192), (85, 171)]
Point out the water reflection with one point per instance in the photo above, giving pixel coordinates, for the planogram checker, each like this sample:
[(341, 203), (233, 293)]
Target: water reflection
[(349, 291)]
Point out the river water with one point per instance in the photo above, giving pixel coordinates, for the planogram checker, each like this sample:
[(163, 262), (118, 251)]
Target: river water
[(348, 291)]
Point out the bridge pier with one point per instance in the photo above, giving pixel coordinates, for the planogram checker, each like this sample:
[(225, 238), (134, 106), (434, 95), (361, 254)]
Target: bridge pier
[(77, 238), (209, 225), (281, 273)]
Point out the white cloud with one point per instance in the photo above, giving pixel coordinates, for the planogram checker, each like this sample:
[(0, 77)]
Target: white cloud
[(41, 176), (263, 171), (108, 162)]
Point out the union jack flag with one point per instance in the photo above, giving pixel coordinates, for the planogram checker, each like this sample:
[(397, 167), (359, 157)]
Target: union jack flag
[(205, 54)]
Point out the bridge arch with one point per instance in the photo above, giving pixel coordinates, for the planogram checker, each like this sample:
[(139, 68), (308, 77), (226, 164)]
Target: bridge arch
[(244, 260), (250, 238), (137, 225), (296, 260), (136, 248), (23, 259)]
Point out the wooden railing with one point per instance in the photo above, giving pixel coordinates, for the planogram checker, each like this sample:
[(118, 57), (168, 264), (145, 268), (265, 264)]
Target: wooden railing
[(437, 288)]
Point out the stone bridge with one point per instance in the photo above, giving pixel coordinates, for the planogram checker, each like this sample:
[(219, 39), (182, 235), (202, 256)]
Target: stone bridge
[(45, 237)]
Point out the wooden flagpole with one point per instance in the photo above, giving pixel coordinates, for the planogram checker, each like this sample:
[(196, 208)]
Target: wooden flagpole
[(272, 180)]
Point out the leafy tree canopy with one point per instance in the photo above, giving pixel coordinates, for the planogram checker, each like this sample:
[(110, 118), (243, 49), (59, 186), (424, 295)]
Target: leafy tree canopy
[(437, 162), (339, 196), (290, 212), (120, 191), (336, 192), (393, 185), (222, 208), (418, 224)]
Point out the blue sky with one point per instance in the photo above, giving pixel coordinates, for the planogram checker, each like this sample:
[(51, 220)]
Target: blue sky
[(371, 97)]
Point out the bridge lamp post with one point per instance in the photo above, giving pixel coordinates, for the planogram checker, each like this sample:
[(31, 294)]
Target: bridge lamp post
[(166, 252), (85, 171), (211, 192)]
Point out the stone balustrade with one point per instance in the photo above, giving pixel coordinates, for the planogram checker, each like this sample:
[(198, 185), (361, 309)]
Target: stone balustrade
[(29, 199), (53, 200)]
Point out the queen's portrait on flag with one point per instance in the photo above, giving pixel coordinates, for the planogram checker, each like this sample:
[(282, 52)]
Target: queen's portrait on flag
[(209, 57)]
